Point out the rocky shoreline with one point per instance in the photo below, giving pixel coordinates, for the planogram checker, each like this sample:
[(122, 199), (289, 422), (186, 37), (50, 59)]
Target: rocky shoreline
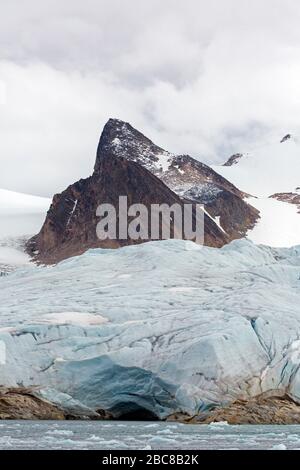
[(260, 410), (22, 403), (271, 408)]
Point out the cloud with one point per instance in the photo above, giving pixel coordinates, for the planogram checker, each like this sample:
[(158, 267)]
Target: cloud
[(205, 78)]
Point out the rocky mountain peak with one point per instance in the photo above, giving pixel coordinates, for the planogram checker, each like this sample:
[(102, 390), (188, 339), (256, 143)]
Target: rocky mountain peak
[(285, 138), (184, 175), (233, 160), (70, 226), (120, 139), (129, 164)]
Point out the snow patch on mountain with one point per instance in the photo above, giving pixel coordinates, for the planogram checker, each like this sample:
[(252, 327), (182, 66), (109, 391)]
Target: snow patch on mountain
[(126, 142), (205, 192), (164, 161)]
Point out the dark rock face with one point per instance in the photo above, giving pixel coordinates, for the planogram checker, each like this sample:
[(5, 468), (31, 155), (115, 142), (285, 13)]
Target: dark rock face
[(185, 170), (129, 164), (120, 139), (70, 226), (291, 198), (184, 175), (285, 138), (234, 159)]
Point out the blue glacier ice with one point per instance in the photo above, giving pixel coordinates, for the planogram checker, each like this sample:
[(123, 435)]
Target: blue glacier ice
[(165, 326)]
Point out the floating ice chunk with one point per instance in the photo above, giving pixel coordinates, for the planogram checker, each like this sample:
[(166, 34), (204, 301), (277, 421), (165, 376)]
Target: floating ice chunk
[(279, 447), (157, 441), (219, 423), (60, 432), (165, 431), (93, 437)]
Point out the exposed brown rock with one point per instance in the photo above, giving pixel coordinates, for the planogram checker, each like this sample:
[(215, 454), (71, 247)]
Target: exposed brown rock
[(129, 164), (186, 176), (291, 198), (104, 415), (269, 408), (120, 139), (21, 403), (235, 216), (69, 232), (274, 407)]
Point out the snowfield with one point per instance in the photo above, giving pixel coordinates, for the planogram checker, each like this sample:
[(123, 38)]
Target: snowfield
[(279, 223), (165, 326), (21, 216), (12, 203), (267, 170)]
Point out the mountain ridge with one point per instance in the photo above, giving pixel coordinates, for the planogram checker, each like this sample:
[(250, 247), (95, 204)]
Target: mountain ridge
[(130, 164), (70, 226), (187, 177)]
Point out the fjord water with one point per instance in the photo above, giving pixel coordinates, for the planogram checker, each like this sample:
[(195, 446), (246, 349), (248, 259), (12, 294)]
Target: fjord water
[(108, 435)]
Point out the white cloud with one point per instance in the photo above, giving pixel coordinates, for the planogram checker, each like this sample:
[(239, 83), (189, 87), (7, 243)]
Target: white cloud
[(207, 78), (2, 93)]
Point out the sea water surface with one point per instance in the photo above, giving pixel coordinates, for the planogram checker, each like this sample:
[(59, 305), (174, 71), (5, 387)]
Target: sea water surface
[(108, 435)]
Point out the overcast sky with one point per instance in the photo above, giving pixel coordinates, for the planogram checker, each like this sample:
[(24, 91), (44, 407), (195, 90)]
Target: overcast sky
[(208, 78)]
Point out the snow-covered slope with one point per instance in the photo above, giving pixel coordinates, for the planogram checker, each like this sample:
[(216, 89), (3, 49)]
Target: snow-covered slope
[(271, 169), (21, 216), (12, 203), (165, 326), (279, 223)]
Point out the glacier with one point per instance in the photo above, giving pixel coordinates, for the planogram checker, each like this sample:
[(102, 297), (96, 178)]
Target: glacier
[(168, 327)]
